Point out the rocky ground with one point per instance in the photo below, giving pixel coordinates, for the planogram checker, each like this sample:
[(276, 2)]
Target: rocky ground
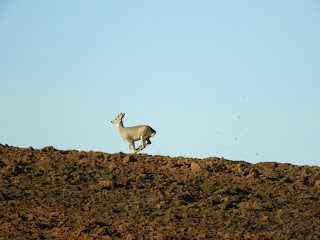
[(55, 194)]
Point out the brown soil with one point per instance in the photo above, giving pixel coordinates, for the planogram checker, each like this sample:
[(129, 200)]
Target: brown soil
[(54, 194)]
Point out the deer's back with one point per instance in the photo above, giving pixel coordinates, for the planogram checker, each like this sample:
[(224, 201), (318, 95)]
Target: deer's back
[(135, 133)]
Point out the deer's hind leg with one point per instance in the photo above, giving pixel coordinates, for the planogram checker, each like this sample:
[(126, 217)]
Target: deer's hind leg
[(143, 144), (134, 148), (143, 140)]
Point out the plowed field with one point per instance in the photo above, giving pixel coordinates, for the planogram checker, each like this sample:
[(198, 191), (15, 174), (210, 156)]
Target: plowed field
[(56, 194)]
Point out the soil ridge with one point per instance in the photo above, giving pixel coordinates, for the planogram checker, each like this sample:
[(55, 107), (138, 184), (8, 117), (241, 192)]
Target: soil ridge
[(68, 194)]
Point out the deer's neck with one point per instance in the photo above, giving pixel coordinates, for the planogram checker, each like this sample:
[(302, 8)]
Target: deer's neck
[(120, 127)]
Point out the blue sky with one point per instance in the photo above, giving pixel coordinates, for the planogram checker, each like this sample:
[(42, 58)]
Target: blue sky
[(232, 79)]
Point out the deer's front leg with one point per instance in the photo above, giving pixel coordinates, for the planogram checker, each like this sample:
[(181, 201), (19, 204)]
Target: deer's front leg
[(132, 146)]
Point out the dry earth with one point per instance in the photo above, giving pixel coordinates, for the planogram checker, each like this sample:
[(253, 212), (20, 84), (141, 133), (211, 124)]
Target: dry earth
[(55, 194)]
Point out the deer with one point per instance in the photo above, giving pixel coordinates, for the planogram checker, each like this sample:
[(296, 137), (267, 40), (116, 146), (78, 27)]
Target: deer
[(132, 134)]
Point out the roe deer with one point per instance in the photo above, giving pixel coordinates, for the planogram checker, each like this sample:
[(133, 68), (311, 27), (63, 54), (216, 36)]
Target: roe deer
[(132, 134)]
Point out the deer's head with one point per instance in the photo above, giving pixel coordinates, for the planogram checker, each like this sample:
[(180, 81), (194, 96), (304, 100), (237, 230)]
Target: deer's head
[(118, 119)]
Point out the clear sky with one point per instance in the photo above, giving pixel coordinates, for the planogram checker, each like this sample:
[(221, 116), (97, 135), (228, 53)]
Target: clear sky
[(232, 79)]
